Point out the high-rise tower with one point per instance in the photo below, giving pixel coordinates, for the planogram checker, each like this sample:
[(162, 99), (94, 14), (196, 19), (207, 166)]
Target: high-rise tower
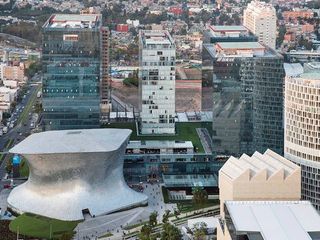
[(157, 82), (261, 19)]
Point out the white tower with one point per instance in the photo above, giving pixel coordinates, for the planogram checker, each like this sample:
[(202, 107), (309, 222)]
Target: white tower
[(261, 19), (157, 82)]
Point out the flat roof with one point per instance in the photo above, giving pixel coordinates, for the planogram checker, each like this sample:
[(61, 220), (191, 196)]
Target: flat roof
[(293, 69), (311, 75), (153, 37), (154, 144), (73, 141), (233, 28), (281, 220), (74, 21), (240, 45)]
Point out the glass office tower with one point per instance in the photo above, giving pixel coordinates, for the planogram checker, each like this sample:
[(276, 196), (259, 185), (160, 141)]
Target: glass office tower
[(71, 71), (247, 97)]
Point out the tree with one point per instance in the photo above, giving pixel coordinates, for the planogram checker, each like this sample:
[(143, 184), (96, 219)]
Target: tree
[(153, 219), (176, 213), (170, 232), (165, 217), (200, 196), (145, 232), (66, 236), (200, 231)]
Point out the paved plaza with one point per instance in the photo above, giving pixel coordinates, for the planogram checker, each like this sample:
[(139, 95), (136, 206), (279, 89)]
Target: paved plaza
[(98, 226)]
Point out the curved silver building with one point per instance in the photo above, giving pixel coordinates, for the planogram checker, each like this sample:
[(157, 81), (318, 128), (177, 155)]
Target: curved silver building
[(72, 172)]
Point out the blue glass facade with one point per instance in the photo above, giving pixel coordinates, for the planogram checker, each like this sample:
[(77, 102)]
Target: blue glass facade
[(71, 79), (247, 102)]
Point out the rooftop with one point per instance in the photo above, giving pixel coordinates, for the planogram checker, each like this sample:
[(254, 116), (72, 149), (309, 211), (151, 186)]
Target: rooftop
[(293, 69), (281, 220), (311, 75), (77, 21), (269, 164), (72, 141), (234, 28), (154, 144), (156, 37), (240, 45)]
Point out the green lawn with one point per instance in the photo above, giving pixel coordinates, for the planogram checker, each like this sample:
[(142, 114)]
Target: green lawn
[(24, 169), (40, 227), (185, 132)]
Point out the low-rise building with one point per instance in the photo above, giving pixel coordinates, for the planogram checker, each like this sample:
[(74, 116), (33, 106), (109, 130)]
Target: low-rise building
[(266, 176), (270, 220)]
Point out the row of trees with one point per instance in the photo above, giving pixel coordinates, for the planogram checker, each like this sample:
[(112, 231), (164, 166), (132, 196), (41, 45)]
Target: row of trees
[(169, 231)]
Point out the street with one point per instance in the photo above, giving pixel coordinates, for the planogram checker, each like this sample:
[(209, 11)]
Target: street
[(22, 128)]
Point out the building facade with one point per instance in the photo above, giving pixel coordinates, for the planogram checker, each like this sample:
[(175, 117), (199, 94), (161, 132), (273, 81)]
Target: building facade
[(74, 172), (246, 117), (157, 82), (72, 67), (302, 129), (261, 19), (212, 35)]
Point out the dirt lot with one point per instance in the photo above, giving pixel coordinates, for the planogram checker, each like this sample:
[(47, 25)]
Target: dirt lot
[(187, 99)]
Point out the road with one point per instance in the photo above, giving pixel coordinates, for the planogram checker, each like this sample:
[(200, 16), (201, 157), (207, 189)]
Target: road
[(22, 128)]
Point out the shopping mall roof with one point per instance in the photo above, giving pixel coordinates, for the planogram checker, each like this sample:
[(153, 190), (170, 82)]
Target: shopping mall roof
[(281, 220)]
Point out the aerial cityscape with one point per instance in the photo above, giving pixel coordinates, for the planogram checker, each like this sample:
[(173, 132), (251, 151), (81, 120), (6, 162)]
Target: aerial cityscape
[(160, 120)]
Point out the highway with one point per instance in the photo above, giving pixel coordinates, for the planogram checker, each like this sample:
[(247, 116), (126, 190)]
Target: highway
[(22, 128)]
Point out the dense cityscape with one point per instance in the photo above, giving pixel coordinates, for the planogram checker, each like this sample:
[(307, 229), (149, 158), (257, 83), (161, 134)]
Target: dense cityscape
[(154, 119)]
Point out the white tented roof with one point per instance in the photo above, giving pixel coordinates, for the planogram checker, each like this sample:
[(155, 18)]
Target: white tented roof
[(275, 220), (73, 141), (270, 162)]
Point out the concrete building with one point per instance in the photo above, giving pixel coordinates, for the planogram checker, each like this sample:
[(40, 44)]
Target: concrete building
[(266, 176), (74, 172), (157, 82), (7, 97), (269, 220), (75, 67), (246, 117), (261, 19), (14, 72), (302, 128)]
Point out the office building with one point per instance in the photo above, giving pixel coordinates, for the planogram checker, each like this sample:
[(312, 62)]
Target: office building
[(75, 69), (212, 35), (302, 128), (157, 82), (74, 172), (267, 176), (269, 220), (261, 19), (246, 117)]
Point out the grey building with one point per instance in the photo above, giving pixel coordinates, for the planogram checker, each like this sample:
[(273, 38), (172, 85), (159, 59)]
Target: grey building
[(247, 97), (72, 71), (212, 35)]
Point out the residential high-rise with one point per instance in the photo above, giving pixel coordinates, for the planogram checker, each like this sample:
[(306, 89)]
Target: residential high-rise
[(302, 128), (246, 117), (157, 82), (75, 69), (261, 19)]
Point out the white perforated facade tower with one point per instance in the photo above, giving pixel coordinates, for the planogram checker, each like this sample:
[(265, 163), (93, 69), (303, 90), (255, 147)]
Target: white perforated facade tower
[(302, 129), (261, 19), (157, 82)]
